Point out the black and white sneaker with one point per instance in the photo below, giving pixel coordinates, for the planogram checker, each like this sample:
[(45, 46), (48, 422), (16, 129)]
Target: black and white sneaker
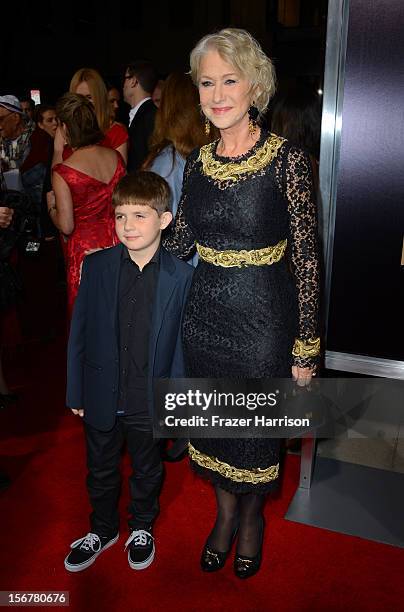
[(141, 549), (85, 551)]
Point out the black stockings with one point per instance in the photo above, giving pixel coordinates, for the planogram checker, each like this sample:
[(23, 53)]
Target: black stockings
[(226, 520), (251, 524), (244, 511)]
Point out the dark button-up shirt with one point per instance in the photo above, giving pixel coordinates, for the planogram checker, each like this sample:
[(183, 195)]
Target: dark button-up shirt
[(137, 290)]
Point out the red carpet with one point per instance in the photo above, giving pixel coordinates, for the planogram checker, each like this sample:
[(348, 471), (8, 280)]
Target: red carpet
[(41, 448)]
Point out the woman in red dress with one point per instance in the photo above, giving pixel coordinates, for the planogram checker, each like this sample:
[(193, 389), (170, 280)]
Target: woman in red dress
[(89, 83), (80, 204)]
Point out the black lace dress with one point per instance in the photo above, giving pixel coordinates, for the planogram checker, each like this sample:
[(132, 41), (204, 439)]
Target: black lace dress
[(245, 322)]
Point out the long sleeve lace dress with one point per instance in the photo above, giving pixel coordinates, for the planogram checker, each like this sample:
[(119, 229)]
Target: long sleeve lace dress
[(252, 307)]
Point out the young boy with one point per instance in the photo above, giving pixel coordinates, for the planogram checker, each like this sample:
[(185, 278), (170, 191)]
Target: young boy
[(125, 331)]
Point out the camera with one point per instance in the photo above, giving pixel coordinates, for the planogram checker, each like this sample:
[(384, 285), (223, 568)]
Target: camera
[(22, 231)]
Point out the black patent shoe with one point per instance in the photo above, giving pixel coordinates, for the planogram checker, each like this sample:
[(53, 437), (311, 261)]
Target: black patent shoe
[(245, 567), (212, 560)]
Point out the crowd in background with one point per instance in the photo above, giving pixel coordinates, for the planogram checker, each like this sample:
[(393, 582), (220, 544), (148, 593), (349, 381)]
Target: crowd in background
[(60, 162), (243, 202)]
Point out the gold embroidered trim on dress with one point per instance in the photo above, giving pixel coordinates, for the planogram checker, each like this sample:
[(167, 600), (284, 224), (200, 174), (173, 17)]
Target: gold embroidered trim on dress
[(306, 348), (231, 259), (232, 170), (256, 476)]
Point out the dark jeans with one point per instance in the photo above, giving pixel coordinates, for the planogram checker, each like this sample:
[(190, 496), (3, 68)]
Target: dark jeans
[(104, 477)]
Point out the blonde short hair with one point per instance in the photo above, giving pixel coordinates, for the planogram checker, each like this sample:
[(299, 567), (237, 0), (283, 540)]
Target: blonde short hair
[(241, 50)]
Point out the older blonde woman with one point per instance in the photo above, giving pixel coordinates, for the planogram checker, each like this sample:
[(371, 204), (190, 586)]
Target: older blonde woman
[(247, 204)]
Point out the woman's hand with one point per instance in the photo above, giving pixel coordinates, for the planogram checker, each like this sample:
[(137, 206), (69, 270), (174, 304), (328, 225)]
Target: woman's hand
[(302, 376), (6, 214)]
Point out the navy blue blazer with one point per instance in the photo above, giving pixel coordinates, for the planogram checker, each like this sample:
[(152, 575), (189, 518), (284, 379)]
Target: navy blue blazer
[(93, 352)]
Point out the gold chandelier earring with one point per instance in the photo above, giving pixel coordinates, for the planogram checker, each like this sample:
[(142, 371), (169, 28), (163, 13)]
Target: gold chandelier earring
[(207, 126), (253, 116)]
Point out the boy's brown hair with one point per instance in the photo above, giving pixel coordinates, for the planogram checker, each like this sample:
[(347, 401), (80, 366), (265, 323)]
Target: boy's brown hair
[(145, 189)]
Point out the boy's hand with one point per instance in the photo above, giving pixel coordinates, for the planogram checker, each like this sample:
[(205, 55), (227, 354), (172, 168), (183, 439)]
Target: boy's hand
[(79, 411)]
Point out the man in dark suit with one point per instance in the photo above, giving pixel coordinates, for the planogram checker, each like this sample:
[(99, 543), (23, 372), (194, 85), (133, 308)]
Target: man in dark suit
[(125, 332), (140, 79)]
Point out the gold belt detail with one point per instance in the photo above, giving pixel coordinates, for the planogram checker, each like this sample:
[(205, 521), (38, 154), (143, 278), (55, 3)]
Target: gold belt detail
[(240, 259), (255, 476)]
